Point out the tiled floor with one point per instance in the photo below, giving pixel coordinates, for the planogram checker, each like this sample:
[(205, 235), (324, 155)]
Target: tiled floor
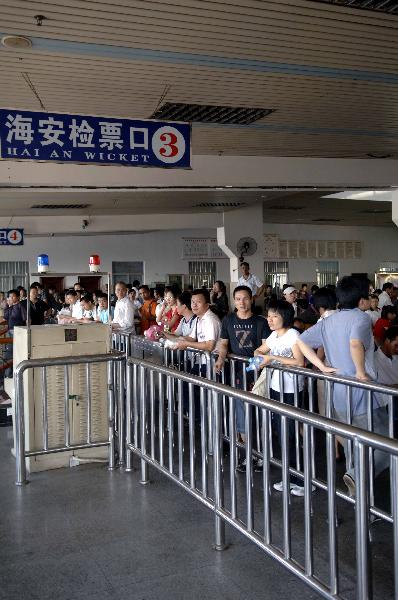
[(86, 533)]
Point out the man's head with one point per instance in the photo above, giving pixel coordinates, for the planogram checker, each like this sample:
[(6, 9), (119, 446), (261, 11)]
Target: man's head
[(77, 287), (87, 302), (299, 324), (390, 344), (351, 290), (120, 290), (324, 299), (12, 297), (245, 269), (33, 293), (71, 297), (184, 303), (388, 287), (200, 302), (243, 298), (102, 300), (388, 312), (145, 292), (290, 294)]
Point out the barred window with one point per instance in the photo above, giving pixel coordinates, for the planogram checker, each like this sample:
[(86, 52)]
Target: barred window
[(327, 272), (276, 274)]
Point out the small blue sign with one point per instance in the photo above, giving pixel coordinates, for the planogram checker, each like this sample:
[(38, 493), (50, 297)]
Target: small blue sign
[(83, 139), (11, 237)]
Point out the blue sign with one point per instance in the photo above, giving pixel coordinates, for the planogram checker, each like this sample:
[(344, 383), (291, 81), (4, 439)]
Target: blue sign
[(81, 139), (11, 237)]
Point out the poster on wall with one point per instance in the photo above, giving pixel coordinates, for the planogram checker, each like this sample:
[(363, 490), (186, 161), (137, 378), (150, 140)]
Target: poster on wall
[(70, 138)]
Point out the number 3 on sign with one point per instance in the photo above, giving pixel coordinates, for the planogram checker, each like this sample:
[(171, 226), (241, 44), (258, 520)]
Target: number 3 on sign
[(14, 236), (168, 145)]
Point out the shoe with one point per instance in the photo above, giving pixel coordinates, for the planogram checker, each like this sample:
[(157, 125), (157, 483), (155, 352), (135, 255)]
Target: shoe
[(350, 483), (279, 486), (298, 490), (258, 465)]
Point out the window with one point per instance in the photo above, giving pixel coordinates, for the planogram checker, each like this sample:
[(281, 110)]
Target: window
[(128, 271), (201, 273), (13, 274), (327, 271), (276, 274)]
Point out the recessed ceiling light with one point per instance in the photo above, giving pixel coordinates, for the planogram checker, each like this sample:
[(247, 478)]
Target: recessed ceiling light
[(16, 41)]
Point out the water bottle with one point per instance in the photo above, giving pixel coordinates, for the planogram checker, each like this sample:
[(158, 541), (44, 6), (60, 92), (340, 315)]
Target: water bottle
[(254, 363)]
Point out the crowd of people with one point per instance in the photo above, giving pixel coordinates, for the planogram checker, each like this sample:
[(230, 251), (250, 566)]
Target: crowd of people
[(350, 329)]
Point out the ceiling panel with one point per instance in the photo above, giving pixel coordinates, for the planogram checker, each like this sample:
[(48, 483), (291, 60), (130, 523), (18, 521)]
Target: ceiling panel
[(330, 72)]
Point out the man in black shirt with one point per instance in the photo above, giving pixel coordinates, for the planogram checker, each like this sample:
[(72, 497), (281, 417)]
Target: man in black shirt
[(15, 315), (37, 308), (241, 333)]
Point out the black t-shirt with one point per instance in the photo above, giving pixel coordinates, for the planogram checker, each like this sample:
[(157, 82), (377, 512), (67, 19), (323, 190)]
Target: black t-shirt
[(244, 335), (36, 311)]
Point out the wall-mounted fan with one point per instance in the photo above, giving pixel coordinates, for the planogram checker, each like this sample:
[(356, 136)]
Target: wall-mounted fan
[(246, 247)]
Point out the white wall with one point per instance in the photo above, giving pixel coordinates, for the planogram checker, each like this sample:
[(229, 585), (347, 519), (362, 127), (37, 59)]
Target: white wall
[(379, 244), (161, 252)]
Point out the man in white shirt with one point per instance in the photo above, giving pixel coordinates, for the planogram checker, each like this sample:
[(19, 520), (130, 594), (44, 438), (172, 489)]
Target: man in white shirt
[(208, 324), (290, 295), (124, 309), (75, 308), (385, 296), (386, 358), (250, 280)]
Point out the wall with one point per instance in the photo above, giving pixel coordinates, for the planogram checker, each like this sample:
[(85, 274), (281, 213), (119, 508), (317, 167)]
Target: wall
[(379, 244), (161, 252)]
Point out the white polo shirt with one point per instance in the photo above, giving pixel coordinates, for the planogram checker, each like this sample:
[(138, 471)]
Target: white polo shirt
[(384, 300), (251, 282), (77, 310), (124, 313), (208, 329), (386, 370)]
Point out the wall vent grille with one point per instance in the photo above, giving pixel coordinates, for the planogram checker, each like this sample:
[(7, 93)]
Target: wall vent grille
[(59, 206), (204, 113)]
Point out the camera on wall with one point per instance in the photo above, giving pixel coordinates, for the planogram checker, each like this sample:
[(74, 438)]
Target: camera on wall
[(85, 224)]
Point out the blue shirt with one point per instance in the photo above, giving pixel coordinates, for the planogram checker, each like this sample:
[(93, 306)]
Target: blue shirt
[(334, 335)]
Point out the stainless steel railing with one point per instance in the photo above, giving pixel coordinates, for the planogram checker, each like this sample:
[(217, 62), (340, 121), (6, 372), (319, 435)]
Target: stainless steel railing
[(115, 387), (156, 434)]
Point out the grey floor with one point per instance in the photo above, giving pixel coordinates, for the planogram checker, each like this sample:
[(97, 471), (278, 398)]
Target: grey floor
[(86, 533)]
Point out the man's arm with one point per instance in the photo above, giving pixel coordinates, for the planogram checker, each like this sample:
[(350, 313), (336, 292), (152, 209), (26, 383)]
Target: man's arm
[(357, 352), (222, 353), (312, 356), (207, 346)]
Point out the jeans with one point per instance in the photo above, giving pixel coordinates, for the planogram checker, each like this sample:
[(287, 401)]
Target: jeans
[(381, 459)]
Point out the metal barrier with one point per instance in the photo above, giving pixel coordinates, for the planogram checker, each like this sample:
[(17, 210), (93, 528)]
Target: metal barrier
[(115, 386), (156, 434), (315, 385)]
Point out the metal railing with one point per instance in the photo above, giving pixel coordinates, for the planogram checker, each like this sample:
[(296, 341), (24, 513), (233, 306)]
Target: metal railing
[(161, 400), (115, 387)]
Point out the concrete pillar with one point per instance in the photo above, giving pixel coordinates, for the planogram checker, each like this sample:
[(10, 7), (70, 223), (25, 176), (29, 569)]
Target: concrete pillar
[(394, 206), (237, 224)]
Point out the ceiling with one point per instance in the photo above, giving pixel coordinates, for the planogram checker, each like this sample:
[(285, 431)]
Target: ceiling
[(279, 207), (328, 71)]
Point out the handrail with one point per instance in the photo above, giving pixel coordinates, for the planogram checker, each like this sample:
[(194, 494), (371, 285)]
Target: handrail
[(329, 425)]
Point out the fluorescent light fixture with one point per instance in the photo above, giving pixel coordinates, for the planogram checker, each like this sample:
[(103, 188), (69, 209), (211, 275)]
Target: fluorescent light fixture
[(372, 195)]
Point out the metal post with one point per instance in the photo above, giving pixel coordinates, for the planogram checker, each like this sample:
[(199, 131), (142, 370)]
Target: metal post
[(144, 465), (394, 511), (44, 406), (232, 456), (266, 418), (191, 421), (161, 420), (121, 414), (249, 466), (309, 551), (170, 421), (88, 386), (331, 480), (66, 406), (218, 480), (129, 389), (152, 406), (180, 431), (111, 417), (203, 442), (364, 580), (209, 409), (19, 429)]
